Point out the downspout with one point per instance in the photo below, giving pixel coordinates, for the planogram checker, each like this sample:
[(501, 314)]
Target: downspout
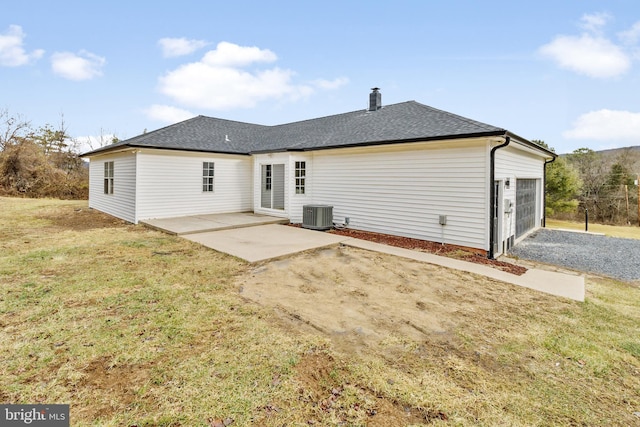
[(492, 196), (544, 191)]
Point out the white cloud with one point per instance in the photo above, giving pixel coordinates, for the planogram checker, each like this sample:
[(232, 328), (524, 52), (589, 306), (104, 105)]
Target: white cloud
[(331, 84), (81, 66), (593, 56), (220, 81), (167, 114), (231, 55), (632, 35), (606, 125), (594, 22), (591, 53), (12, 53), (172, 47)]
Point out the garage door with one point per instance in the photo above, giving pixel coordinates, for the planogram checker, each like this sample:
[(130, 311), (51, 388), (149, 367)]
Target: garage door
[(525, 206)]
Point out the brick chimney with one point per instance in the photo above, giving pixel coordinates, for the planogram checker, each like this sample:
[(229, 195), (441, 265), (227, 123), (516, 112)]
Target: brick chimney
[(375, 99)]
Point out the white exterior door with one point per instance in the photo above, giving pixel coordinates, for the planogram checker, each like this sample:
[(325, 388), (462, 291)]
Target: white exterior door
[(272, 186)]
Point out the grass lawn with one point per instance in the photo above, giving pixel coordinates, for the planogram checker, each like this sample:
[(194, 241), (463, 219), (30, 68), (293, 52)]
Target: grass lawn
[(629, 232), (134, 327)]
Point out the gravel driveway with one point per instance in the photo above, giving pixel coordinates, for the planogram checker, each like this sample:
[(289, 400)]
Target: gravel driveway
[(608, 256)]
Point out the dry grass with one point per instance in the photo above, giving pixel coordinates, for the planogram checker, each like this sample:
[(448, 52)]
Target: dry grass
[(629, 232), (134, 327), (128, 325)]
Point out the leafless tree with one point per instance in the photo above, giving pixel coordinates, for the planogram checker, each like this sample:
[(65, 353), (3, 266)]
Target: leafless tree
[(12, 128), (102, 140)]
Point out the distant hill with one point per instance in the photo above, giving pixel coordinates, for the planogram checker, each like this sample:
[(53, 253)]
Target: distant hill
[(631, 157), (616, 151)]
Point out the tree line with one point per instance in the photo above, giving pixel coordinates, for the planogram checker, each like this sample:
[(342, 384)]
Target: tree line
[(604, 184), (40, 162)]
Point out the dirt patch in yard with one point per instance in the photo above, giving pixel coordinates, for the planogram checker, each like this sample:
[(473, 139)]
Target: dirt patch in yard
[(417, 318), (362, 299), (80, 219), (322, 394), (115, 387)]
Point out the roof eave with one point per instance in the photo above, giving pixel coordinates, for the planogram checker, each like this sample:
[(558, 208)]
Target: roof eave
[(532, 145), (104, 150), (191, 150), (195, 150), (500, 132)]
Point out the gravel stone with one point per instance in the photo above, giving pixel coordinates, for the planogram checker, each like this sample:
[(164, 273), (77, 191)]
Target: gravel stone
[(591, 253)]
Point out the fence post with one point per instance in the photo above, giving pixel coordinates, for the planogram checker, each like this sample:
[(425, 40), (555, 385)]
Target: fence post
[(586, 219), (626, 197)]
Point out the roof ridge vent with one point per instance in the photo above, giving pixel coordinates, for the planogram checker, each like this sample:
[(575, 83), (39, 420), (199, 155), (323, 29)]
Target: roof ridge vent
[(375, 99)]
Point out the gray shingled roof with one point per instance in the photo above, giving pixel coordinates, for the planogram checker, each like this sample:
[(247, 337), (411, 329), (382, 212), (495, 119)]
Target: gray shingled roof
[(403, 122)]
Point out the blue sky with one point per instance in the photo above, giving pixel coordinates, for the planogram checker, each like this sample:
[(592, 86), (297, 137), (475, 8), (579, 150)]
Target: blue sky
[(566, 72)]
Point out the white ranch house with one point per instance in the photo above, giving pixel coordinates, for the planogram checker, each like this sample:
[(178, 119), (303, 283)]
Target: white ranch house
[(394, 169)]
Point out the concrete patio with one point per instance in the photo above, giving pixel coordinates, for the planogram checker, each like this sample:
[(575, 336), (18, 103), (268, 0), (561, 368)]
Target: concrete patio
[(251, 237), (211, 222), (258, 238), (265, 242)]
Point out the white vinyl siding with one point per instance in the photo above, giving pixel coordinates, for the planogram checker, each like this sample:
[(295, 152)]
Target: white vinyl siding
[(170, 183), (121, 203), (402, 190), (399, 189), (514, 163)]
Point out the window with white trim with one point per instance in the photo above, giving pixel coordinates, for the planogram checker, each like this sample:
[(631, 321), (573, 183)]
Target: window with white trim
[(267, 177), (108, 177), (301, 175), (208, 175)]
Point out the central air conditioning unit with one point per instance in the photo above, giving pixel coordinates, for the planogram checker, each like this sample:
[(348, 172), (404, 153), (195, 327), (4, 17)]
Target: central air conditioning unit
[(317, 217)]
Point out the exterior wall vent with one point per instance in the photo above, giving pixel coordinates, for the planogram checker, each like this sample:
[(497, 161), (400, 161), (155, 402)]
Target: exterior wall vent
[(317, 217)]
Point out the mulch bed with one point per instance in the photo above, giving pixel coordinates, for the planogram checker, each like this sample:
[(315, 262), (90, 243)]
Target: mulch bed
[(452, 251)]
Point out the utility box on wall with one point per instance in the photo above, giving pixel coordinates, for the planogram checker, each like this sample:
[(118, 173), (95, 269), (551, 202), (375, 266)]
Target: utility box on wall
[(443, 220)]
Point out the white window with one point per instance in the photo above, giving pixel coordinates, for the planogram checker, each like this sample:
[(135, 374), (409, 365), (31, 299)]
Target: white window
[(208, 175), (108, 177), (301, 174), (267, 177)]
